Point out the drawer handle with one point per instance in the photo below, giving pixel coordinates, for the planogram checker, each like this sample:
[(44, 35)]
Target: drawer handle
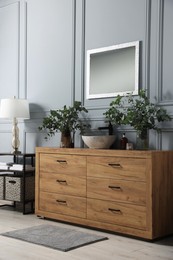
[(114, 187), (115, 165), (64, 202), (62, 182), (116, 211), (12, 182), (62, 161)]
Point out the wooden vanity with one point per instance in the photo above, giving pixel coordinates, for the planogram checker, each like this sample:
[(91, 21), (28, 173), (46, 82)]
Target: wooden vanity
[(129, 192)]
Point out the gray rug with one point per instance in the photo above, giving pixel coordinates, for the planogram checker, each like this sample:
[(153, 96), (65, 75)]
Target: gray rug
[(63, 239)]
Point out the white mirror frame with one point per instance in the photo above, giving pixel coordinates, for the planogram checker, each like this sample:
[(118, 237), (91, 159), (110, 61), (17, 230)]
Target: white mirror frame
[(112, 71)]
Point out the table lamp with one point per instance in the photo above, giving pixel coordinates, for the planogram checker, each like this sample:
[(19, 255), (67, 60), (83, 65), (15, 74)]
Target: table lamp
[(13, 108)]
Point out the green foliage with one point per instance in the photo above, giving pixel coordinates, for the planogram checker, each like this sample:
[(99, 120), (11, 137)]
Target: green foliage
[(139, 112), (64, 120), (115, 113), (144, 115)]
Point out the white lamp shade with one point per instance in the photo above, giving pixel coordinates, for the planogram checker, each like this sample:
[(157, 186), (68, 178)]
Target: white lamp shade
[(14, 108)]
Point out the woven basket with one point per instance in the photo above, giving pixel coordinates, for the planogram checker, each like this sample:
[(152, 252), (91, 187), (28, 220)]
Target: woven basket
[(14, 188), (1, 187)]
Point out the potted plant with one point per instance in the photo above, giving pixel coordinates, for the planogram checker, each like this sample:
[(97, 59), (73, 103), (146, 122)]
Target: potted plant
[(115, 114), (139, 113), (66, 120)]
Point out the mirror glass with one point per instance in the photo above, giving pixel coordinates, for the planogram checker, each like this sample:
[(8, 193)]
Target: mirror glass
[(112, 71)]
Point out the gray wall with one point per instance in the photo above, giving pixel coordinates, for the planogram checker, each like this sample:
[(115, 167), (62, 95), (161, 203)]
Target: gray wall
[(43, 47)]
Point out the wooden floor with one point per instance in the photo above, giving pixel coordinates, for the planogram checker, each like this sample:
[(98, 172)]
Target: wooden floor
[(116, 247)]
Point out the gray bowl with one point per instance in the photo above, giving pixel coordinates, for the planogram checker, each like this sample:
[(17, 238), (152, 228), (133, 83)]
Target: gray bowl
[(98, 142)]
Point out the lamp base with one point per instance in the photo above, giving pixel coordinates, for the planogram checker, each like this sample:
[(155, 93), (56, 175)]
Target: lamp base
[(15, 138), (16, 152)]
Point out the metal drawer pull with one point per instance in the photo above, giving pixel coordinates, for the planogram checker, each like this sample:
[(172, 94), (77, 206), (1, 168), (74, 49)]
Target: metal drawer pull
[(116, 211), (62, 161), (62, 181), (115, 165), (114, 187), (64, 202), (12, 182)]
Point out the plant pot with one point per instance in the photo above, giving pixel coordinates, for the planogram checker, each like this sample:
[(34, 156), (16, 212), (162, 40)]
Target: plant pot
[(66, 140), (142, 140)]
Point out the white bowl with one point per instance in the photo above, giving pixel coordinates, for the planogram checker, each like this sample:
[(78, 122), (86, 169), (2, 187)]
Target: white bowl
[(99, 142)]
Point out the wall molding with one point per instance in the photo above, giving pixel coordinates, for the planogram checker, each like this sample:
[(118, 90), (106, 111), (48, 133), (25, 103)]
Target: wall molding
[(83, 51), (160, 21), (160, 137), (25, 48), (19, 46), (73, 49), (146, 57), (3, 4), (159, 61), (17, 4), (147, 45), (5, 132)]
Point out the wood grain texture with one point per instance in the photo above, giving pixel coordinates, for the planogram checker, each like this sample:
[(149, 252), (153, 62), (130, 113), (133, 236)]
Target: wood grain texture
[(122, 214), (63, 183), (63, 204), (68, 164), (119, 167), (129, 192), (116, 190)]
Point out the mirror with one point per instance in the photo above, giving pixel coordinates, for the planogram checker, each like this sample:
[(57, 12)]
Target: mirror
[(112, 71)]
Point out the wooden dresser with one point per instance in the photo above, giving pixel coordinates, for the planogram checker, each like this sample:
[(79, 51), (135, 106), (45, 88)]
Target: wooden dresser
[(129, 192)]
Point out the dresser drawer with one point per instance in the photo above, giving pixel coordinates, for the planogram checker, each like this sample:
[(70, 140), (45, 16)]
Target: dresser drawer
[(63, 204), (63, 183), (117, 167), (116, 190), (68, 164), (117, 213)]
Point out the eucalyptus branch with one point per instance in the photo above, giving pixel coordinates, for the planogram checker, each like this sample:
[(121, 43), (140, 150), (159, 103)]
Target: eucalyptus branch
[(67, 119)]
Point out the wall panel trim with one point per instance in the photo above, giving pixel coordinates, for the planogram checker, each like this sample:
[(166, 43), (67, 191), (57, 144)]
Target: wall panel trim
[(25, 49), (160, 50), (73, 49), (83, 51), (147, 46), (159, 62), (3, 5)]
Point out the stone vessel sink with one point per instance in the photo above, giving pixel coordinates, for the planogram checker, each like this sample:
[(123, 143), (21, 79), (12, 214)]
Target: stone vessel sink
[(98, 142)]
